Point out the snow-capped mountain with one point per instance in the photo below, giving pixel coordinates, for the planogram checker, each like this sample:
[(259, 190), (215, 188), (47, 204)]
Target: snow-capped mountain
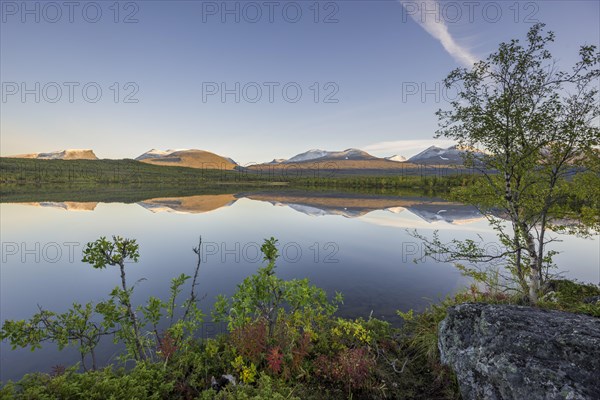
[(437, 155), (396, 158), (68, 154), (313, 154), (317, 154)]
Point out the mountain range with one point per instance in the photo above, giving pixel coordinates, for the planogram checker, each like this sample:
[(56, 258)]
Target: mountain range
[(346, 159), (349, 159)]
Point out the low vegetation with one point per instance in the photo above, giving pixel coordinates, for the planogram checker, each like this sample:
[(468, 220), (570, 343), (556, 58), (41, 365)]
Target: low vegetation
[(283, 342), (436, 183), (130, 172), (124, 172)]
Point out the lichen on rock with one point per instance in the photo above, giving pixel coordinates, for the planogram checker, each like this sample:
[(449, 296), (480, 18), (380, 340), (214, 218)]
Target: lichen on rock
[(515, 352)]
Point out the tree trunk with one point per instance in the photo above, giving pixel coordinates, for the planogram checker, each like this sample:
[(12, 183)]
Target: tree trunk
[(82, 354), (520, 229), (94, 366), (132, 317), (534, 286), (519, 259), (534, 272)]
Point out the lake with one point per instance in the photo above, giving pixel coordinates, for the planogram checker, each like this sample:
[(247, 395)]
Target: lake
[(355, 244)]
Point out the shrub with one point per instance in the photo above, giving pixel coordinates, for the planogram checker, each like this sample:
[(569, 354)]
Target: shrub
[(351, 368), (264, 296)]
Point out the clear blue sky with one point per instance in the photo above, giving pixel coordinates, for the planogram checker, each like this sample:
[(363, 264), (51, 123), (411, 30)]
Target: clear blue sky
[(373, 54)]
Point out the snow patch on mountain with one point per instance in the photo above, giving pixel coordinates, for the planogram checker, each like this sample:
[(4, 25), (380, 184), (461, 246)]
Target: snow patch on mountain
[(318, 154), (396, 158), (155, 153)]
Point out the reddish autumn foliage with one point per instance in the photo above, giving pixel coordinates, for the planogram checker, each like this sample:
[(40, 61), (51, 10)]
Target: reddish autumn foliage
[(295, 347), (250, 341), (351, 367), (275, 360), (167, 346), (58, 370), (300, 351)]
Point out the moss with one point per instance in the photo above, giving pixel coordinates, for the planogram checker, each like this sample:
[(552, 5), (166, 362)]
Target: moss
[(572, 291), (567, 295)]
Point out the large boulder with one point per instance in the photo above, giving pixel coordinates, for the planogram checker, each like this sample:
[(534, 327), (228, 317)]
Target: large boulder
[(515, 352)]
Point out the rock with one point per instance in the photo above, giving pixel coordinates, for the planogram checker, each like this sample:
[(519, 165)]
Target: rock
[(224, 380), (550, 297), (516, 352), (592, 300)]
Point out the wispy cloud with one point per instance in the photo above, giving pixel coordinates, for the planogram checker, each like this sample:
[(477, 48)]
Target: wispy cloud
[(406, 148), (420, 12)]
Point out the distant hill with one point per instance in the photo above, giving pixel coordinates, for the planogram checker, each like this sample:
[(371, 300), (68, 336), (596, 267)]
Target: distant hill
[(187, 158), (453, 155), (68, 154)]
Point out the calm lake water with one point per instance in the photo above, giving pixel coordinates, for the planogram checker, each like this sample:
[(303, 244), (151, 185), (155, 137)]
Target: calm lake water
[(354, 244)]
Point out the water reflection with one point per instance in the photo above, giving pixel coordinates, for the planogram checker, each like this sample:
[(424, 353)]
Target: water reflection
[(189, 205), (66, 205), (356, 244), (349, 206)]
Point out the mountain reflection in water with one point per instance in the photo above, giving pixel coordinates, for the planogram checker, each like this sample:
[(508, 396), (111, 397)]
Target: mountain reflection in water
[(348, 206)]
